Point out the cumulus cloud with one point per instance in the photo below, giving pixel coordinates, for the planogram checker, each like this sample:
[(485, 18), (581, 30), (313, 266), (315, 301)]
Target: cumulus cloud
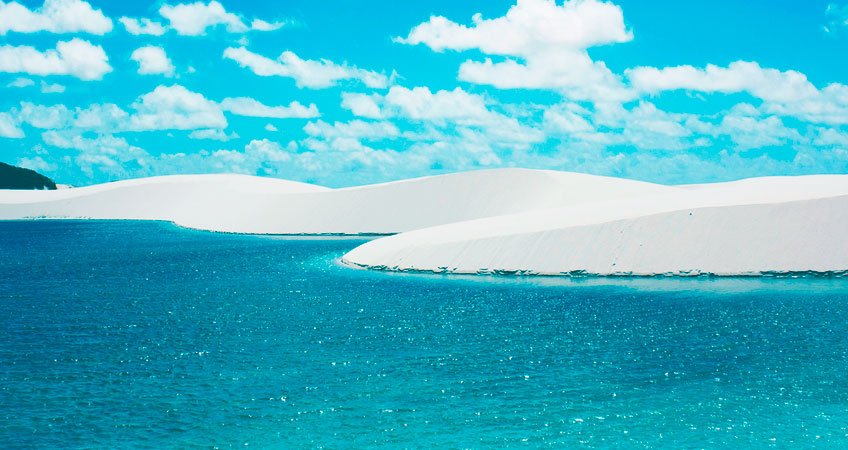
[(544, 43), (441, 108), (313, 74), (770, 84), (101, 117), (21, 82), (261, 25), (103, 154), (51, 88), (362, 105), (54, 16), (152, 60), (175, 108), (76, 58), (195, 19), (44, 117), (528, 28), (259, 157), (356, 129), (787, 93), (9, 127), (192, 19), (165, 108), (37, 163), (142, 26), (171, 107), (642, 126), (749, 129), (213, 134), (245, 106), (571, 72)]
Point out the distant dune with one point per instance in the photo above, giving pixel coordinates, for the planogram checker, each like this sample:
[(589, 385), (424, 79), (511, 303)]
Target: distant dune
[(503, 221), (245, 204)]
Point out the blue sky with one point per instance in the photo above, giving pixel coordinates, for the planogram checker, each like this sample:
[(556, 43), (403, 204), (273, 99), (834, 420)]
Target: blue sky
[(348, 92)]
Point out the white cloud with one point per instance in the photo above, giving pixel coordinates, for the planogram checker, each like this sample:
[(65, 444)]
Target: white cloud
[(77, 58), (55, 16), (51, 88), (647, 127), (259, 157), (642, 126), (420, 103), (152, 60), (528, 28), (314, 74), (568, 119), (142, 26), (213, 134), (749, 130), (21, 83), (194, 19), (362, 105), (261, 25), (830, 137), (346, 138), (270, 127), (9, 127), (37, 163), (105, 154), (828, 105), (787, 93), (101, 117), (739, 76), (356, 129), (265, 150), (245, 106), (572, 72), (551, 40), (442, 108), (175, 108), (165, 108), (44, 117)]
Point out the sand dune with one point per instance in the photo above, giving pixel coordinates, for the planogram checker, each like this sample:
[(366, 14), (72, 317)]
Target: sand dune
[(748, 227), (503, 221), (243, 204)]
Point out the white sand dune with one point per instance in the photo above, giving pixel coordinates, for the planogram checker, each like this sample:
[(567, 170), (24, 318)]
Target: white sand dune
[(503, 221), (749, 227), (244, 204)]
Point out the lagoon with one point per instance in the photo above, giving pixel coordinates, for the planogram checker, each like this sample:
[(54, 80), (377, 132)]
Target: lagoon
[(143, 334)]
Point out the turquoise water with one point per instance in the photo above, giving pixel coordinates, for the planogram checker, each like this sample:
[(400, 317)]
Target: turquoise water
[(127, 334)]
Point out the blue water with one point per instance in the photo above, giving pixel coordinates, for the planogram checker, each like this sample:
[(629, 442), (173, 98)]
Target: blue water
[(127, 334)]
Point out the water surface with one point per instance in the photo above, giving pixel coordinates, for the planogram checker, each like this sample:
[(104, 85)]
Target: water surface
[(130, 334)]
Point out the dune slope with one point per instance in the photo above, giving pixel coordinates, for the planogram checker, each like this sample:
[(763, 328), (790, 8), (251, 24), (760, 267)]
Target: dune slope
[(750, 227)]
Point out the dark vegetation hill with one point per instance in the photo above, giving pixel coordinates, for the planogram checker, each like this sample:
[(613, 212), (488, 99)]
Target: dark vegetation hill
[(12, 177)]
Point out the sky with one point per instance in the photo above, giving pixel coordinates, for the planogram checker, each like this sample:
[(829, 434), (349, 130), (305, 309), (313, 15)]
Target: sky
[(348, 92)]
